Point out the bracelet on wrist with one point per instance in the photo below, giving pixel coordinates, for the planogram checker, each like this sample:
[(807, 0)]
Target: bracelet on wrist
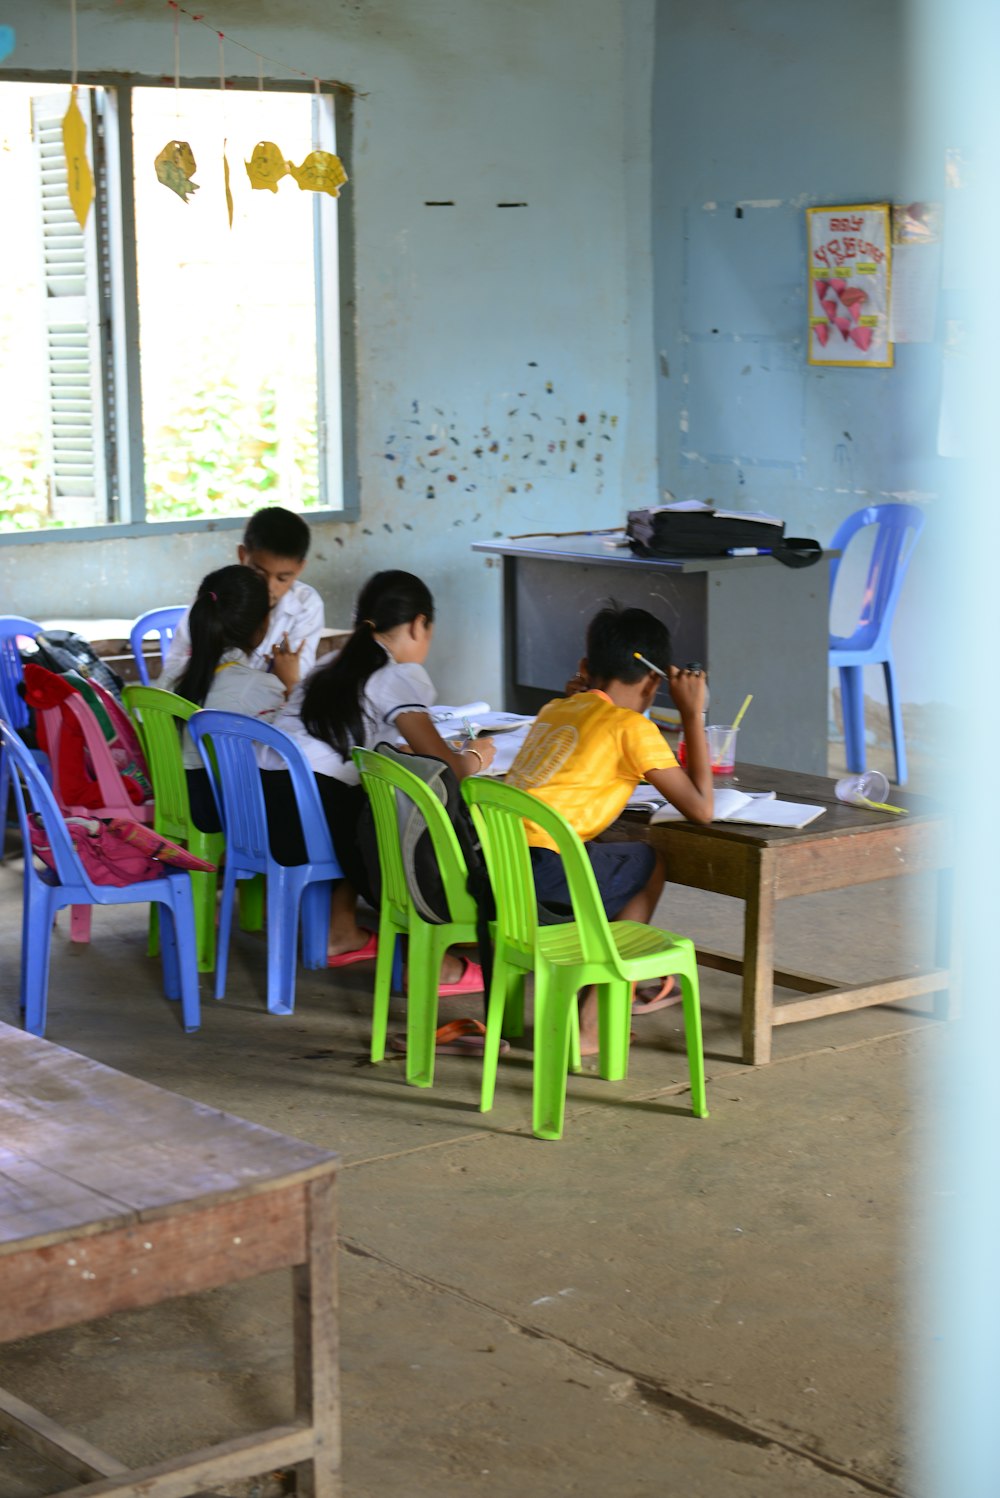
[(476, 752)]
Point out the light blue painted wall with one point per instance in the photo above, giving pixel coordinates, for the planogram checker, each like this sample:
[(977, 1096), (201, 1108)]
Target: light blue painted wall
[(770, 106), (465, 316)]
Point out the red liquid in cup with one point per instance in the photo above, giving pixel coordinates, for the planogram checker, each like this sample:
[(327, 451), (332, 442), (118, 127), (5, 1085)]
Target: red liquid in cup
[(682, 760)]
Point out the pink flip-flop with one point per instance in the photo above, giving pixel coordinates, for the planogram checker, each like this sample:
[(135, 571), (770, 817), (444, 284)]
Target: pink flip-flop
[(359, 954), (471, 981)]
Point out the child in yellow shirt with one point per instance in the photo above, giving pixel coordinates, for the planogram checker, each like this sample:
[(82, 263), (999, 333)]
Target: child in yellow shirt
[(586, 754)]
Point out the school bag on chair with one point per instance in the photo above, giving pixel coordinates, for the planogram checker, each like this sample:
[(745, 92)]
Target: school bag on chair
[(423, 877)]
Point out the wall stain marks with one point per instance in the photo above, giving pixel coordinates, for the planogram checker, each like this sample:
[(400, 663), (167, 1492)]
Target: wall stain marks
[(436, 446)]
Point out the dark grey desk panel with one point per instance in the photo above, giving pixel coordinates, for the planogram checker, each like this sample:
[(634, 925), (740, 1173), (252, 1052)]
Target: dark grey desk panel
[(758, 626)]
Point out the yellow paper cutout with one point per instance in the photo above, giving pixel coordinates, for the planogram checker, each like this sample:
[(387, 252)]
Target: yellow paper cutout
[(320, 172), (266, 166), (79, 178), (175, 166), (229, 195)]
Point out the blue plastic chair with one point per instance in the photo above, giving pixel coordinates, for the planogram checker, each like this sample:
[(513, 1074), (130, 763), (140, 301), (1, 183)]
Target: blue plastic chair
[(291, 889), (160, 622), (12, 705), (899, 526), (47, 891)]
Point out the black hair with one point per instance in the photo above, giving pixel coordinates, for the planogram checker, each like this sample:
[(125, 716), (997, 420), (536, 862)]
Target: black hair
[(227, 614), (613, 637), (281, 532), (331, 706)]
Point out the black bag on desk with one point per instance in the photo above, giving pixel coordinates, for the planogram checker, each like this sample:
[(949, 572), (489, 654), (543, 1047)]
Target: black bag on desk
[(698, 533)]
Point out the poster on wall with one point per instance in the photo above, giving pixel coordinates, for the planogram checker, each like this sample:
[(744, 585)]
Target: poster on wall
[(849, 285)]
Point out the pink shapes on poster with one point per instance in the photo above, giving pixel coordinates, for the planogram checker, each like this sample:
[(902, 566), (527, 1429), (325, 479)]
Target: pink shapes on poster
[(830, 307), (863, 338), (822, 331), (844, 324), (853, 298), (822, 287), (837, 284)]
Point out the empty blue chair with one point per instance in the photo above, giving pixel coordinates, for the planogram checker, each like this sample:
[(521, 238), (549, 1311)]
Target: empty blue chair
[(12, 705), (160, 622), (47, 890), (870, 643), (291, 888)]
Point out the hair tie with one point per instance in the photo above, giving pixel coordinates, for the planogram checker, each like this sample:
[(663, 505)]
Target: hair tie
[(213, 596), (370, 623)]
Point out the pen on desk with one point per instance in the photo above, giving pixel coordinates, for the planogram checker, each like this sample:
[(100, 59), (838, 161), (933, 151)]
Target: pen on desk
[(467, 727), (750, 551)]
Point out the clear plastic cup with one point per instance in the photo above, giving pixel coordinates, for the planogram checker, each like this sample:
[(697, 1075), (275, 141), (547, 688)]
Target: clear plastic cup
[(872, 785), (722, 739)]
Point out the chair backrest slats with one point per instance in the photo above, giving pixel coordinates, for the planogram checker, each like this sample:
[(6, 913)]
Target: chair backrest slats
[(500, 812), (32, 793), (383, 780), (12, 705), (898, 527), (160, 622), (158, 716), (236, 778)]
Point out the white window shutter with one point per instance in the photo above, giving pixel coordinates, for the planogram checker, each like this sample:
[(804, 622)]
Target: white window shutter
[(73, 297)]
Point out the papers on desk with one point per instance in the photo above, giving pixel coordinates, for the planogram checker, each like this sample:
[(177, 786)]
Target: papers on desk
[(452, 720), (761, 809), (509, 730)]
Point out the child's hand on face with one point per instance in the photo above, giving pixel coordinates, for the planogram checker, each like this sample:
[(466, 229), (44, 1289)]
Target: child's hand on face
[(580, 682), (687, 688), (285, 662)]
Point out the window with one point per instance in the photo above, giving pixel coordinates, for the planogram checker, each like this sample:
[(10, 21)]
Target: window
[(159, 366)]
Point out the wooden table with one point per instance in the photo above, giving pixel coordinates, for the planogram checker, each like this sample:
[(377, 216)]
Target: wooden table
[(114, 1195), (847, 846)]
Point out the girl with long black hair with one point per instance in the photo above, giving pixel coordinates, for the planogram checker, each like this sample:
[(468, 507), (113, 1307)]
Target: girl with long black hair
[(227, 621), (376, 688)]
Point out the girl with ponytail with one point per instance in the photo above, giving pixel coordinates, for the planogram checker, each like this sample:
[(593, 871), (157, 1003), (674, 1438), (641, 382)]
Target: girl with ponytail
[(376, 688), (227, 621)]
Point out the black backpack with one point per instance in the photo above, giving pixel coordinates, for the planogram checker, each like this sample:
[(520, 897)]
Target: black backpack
[(61, 651)]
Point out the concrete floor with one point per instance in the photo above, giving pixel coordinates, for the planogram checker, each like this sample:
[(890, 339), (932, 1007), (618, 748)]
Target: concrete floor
[(657, 1304)]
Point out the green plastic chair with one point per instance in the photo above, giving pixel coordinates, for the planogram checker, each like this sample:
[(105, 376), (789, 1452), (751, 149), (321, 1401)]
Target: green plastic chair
[(156, 714), (383, 779), (588, 950)]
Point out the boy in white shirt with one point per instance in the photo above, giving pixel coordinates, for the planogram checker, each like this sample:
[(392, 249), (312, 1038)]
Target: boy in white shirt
[(275, 544)]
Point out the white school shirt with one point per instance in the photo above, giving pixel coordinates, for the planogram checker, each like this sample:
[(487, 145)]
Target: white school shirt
[(298, 613), (395, 688), (237, 687)]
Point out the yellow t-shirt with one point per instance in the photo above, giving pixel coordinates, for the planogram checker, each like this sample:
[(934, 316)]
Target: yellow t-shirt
[(585, 757)]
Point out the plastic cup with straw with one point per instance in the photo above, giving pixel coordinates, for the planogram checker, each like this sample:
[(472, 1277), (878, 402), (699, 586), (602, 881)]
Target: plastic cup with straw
[(724, 752)]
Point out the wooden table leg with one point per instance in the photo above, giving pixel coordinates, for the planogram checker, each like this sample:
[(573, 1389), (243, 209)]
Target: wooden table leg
[(317, 1395), (758, 960)]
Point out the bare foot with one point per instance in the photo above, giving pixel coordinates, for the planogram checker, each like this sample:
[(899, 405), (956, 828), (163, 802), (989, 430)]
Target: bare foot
[(652, 996)]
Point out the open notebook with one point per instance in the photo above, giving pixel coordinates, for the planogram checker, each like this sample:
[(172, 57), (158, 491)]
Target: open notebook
[(762, 809)]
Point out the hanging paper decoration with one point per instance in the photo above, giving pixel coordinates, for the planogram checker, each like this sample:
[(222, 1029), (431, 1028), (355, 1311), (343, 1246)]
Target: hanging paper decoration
[(175, 166), (320, 172), (225, 173), (6, 41), (266, 166), (79, 178)]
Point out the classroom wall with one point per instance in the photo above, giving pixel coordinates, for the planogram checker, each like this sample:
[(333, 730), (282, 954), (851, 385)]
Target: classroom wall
[(762, 108), (504, 358)]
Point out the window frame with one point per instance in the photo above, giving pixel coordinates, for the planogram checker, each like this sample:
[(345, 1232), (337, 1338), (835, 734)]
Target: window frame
[(333, 245)]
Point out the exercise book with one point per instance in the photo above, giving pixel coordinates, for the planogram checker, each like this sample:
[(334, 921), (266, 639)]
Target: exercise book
[(762, 810)]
